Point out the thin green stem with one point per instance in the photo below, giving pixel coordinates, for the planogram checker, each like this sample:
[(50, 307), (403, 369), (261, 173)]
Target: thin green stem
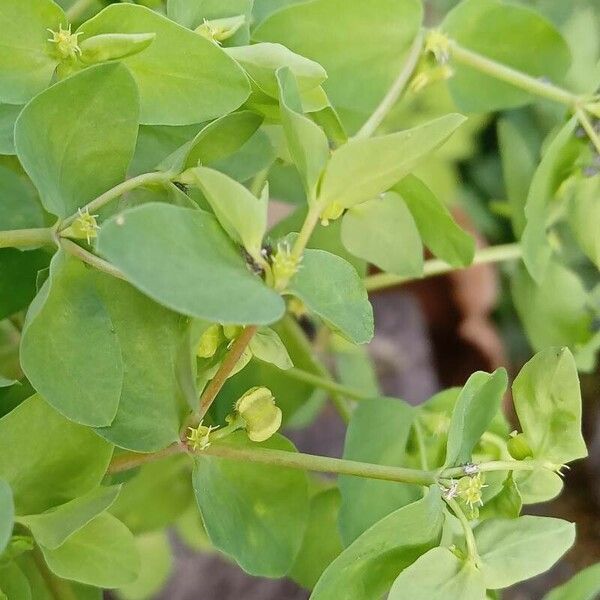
[(338, 397), (325, 383), (132, 460), (394, 93), (91, 259), (26, 238), (496, 465), (435, 266), (117, 191), (231, 359), (533, 85), (78, 9), (472, 552), (321, 464), (584, 119), (310, 222), (418, 428)]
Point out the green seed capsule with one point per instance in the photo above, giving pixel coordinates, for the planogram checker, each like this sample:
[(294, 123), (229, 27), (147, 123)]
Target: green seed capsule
[(113, 46), (209, 341), (261, 415), (518, 447)]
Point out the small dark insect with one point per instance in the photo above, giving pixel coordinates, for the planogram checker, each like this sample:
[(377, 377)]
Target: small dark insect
[(267, 251), (251, 263), (182, 186)]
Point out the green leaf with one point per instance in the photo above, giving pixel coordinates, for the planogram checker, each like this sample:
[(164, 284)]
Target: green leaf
[(554, 313), (538, 486), (113, 46), (584, 216), (437, 228), (18, 273), (378, 433), (512, 550), (332, 289), (364, 168), (340, 36), (547, 177), (155, 566), (103, 554), (267, 346), (76, 139), (306, 141), (8, 116), (262, 61), (507, 503), (321, 543), (13, 583), (477, 404), (383, 232), (26, 61), (40, 589), (583, 586), (355, 367), (439, 575), (155, 496), (367, 568), (7, 514), (20, 208), (548, 403), (182, 77), (241, 214), (129, 332), (502, 32), (53, 527), (42, 469), (519, 156), (268, 503), (215, 142), (182, 259)]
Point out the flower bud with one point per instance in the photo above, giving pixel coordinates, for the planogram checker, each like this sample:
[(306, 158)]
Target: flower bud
[(231, 332), (66, 44), (114, 46), (262, 417), (331, 213), (469, 490), (518, 447), (199, 437), (284, 265), (84, 227), (219, 30), (209, 341)]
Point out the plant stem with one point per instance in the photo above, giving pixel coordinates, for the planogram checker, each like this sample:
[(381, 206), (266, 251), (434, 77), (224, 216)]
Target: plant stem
[(91, 259), (233, 355), (512, 76), (321, 464), (589, 128), (118, 190), (466, 526), (26, 238), (310, 222), (436, 266), (131, 460), (337, 397), (326, 384), (394, 93), (495, 465), (78, 9)]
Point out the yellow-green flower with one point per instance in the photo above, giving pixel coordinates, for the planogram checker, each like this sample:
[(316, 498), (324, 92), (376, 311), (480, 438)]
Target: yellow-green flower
[(199, 437), (67, 45), (469, 490)]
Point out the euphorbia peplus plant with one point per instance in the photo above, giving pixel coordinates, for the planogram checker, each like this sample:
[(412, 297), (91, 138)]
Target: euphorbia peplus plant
[(151, 319)]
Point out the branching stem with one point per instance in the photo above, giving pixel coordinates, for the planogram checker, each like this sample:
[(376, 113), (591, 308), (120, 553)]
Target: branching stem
[(436, 266), (394, 93)]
